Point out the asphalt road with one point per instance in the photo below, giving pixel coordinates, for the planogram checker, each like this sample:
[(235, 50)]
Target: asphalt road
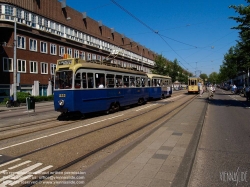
[(223, 154)]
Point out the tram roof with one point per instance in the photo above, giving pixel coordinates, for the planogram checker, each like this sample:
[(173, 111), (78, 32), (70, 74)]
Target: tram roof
[(151, 75), (98, 65)]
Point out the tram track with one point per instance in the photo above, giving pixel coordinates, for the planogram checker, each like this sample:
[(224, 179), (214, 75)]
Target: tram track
[(7, 131), (63, 167), (104, 144)]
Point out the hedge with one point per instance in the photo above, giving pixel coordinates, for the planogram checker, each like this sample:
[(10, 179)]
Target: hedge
[(21, 97)]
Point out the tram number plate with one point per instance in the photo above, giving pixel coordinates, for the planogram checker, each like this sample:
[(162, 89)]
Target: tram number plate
[(62, 95)]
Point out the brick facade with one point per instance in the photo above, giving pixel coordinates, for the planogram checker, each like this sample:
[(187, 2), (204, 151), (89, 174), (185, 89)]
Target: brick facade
[(52, 10)]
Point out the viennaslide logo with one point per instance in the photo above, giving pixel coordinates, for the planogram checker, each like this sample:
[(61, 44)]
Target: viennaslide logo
[(237, 176)]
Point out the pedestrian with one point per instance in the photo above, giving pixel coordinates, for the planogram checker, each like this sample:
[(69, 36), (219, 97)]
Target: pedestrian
[(11, 100), (201, 90), (234, 89), (247, 89), (211, 90)]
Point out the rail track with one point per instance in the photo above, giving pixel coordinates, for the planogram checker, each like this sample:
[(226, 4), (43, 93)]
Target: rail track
[(24, 128), (101, 133)]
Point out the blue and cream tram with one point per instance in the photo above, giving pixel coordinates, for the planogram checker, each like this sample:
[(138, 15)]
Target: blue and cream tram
[(86, 87), (159, 86)]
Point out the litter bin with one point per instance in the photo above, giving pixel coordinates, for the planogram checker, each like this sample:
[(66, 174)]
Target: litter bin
[(30, 103)]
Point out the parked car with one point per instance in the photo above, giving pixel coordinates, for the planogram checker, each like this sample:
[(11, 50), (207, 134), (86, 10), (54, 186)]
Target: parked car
[(240, 90), (244, 90)]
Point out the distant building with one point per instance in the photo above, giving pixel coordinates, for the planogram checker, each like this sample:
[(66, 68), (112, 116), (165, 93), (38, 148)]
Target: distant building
[(48, 29)]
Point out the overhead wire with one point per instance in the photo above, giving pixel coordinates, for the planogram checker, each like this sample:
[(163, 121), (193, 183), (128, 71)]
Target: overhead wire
[(150, 28)]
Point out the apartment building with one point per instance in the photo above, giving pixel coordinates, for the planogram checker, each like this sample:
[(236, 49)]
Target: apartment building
[(45, 30)]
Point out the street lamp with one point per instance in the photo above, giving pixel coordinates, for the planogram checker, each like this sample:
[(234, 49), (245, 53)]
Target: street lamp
[(14, 64)]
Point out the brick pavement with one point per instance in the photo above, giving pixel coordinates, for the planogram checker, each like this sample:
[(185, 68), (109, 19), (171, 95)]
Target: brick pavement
[(164, 158)]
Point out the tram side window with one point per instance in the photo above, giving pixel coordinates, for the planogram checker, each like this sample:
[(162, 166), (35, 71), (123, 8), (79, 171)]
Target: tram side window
[(164, 82), (78, 80), (64, 79), (100, 80), (143, 82), (192, 82), (154, 82), (132, 81), (138, 81), (110, 80), (118, 81), (149, 82), (84, 80), (159, 82), (126, 81), (90, 77)]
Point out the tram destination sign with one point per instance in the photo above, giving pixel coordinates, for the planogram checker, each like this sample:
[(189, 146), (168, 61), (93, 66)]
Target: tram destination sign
[(64, 62)]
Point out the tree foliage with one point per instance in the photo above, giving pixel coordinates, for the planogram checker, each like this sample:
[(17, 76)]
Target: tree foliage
[(169, 68), (238, 57)]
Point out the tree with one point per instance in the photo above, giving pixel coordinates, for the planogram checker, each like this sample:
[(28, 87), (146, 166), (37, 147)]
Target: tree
[(244, 43), (203, 76), (162, 66), (175, 70), (213, 78)]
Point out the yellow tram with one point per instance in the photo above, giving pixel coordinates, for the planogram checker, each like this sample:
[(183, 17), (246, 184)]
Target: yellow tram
[(193, 84)]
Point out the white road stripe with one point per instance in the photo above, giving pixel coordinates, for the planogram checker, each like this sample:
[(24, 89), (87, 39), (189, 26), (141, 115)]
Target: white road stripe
[(58, 133), (23, 163), (10, 162), (5, 183), (20, 180), (145, 107), (24, 171), (3, 171), (43, 169)]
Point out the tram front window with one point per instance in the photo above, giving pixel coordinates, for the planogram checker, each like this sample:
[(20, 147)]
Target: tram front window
[(63, 80)]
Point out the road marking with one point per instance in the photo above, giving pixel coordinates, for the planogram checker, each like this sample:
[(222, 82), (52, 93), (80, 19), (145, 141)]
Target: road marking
[(20, 180), (23, 163), (3, 171), (145, 107), (10, 162), (17, 177), (174, 97), (58, 133), (43, 169)]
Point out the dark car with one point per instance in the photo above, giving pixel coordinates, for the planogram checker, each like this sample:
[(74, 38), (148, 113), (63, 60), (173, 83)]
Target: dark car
[(245, 90), (240, 90)]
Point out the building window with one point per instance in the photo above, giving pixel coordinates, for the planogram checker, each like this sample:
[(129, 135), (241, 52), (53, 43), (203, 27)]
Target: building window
[(33, 20), (33, 45), (44, 68), (76, 54), (99, 58), (82, 55), (52, 69), (43, 47), (9, 12), (33, 67), (93, 56), (53, 49), (21, 65), (61, 50), (21, 42), (7, 64), (69, 51), (89, 56)]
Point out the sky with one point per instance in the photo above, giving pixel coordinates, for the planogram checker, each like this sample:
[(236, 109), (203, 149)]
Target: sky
[(197, 33)]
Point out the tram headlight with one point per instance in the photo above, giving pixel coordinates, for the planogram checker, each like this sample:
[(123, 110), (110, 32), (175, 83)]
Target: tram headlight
[(61, 102)]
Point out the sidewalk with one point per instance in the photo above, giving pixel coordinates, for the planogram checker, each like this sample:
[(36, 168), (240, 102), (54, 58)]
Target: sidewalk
[(162, 159), (23, 106)]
